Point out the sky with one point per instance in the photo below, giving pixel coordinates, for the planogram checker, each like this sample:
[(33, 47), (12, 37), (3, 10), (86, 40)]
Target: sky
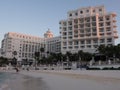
[(34, 17)]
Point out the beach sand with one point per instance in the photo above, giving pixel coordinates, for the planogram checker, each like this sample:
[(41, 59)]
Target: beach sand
[(77, 79), (17, 81)]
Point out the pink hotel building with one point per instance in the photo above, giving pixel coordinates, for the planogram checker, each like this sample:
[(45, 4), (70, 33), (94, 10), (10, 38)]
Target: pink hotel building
[(84, 29)]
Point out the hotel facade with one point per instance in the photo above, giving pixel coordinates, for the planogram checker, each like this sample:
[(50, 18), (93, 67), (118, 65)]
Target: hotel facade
[(84, 29), (87, 28), (27, 45)]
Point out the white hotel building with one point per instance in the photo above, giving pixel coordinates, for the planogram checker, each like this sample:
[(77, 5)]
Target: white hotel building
[(84, 29), (27, 45), (87, 28)]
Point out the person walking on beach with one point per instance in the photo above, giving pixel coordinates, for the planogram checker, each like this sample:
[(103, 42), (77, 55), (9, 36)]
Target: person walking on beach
[(16, 68), (27, 68)]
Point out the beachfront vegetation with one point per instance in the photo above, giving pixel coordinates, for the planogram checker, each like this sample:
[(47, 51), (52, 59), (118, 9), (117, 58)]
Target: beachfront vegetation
[(110, 52), (104, 53), (3, 61)]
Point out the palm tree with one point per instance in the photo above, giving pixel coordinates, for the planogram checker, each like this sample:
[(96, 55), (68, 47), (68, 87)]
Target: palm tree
[(3, 61), (118, 51), (37, 55), (80, 55), (101, 49), (14, 61), (47, 53), (68, 54), (42, 50)]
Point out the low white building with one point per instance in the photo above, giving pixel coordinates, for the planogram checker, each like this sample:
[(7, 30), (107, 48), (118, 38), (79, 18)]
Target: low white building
[(27, 45)]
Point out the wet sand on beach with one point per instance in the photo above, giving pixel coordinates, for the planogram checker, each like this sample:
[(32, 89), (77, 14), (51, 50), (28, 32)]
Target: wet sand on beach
[(83, 76), (17, 81), (63, 80)]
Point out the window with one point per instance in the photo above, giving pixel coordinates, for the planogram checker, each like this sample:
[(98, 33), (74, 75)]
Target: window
[(64, 47), (93, 18), (95, 46), (70, 33), (59, 22), (107, 18), (70, 42), (101, 30), (100, 18), (82, 46), (88, 42), (94, 10), (64, 37), (70, 37), (70, 14), (82, 42), (64, 33), (108, 23), (70, 47), (64, 43), (102, 40), (81, 12), (100, 10), (87, 10), (76, 47), (76, 13), (101, 24), (109, 40), (88, 46), (75, 42), (95, 41)]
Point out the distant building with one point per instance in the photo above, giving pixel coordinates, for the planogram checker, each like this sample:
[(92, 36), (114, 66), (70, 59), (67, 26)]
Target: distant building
[(27, 45), (24, 45), (86, 28), (53, 44)]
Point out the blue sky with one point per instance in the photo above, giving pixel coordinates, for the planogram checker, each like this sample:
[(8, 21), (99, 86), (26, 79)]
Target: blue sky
[(34, 17)]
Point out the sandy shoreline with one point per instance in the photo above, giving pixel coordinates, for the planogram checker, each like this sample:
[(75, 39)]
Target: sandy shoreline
[(82, 74), (76, 79)]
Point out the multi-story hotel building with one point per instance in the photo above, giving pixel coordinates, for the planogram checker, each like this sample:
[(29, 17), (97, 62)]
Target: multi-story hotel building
[(24, 45), (87, 28), (27, 45), (84, 29), (53, 44)]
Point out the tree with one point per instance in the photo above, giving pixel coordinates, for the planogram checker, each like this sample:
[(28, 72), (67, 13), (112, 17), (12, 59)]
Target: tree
[(3, 61), (14, 61), (37, 55), (42, 50), (80, 55), (68, 54), (109, 51)]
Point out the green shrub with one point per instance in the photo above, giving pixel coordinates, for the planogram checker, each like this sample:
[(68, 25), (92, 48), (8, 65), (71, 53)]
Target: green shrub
[(111, 68), (94, 68)]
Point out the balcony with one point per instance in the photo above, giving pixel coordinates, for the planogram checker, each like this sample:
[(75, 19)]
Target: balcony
[(115, 31), (114, 26), (115, 35)]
